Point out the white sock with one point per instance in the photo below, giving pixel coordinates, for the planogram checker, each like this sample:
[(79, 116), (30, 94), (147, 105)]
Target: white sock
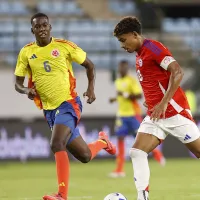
[(141, 170)]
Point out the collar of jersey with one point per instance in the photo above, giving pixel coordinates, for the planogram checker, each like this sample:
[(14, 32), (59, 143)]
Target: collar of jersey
[(52, 40)]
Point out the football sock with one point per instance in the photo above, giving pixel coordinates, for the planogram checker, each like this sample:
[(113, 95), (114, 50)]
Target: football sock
[(120, 157), (157, 154), (62, 165), (96, 146), (141, 169)]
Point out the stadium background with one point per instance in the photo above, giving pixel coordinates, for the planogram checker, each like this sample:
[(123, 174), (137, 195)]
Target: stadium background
[(24, 135)]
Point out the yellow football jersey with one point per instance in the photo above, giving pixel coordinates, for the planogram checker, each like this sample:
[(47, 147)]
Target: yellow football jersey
[(51, 69), (127, 85)]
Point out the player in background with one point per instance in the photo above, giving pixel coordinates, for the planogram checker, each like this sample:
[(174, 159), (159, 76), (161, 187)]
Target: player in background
[(48, 61), (129, 115), (168, 111)]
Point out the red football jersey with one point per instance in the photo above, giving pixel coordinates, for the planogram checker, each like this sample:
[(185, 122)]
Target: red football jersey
[(152, 61)]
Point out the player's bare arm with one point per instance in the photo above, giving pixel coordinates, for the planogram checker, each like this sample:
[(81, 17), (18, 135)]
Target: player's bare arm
[(90, 70), (112, 99), (134, 96), (174, 82), (19, 87)]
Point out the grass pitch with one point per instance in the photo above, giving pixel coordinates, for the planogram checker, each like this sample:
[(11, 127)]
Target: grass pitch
[(178, 180)]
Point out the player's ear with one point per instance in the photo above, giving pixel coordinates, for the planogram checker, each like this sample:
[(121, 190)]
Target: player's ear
[(32, 30), (50, 27), (135, 34)]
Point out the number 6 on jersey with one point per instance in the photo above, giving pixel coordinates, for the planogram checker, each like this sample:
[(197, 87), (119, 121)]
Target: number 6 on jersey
[(47, 66)]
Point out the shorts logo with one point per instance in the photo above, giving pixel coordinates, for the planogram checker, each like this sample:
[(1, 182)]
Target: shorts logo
[(57, 112), (55, 53), (187, 137), (140, 62)]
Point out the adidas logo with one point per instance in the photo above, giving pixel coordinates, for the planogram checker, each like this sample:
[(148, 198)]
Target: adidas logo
[(187, 137), (33, 56), (62, 184)]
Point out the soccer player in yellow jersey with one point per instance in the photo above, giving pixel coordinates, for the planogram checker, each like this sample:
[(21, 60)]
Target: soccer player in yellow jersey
[(52, 87), (128, 115)]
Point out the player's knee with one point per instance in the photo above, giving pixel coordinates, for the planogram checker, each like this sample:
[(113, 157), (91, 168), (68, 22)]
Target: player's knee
[(135, 153), (85, 157), (57, 146), (197, 154)]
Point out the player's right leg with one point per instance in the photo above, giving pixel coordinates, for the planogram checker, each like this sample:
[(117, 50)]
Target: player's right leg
[(121, 131), (147, 139), (157, 153), (63, 125)]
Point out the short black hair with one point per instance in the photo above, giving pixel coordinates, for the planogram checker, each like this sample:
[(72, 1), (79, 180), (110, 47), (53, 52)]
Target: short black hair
[(124, 62), (127, 25), (38, 15)]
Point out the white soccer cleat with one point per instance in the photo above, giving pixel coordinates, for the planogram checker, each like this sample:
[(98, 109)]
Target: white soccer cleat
[(163, 162), (117, 174), (143, 195)]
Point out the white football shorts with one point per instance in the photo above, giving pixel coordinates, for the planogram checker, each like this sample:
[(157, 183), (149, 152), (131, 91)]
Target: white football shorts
[(178, 126)]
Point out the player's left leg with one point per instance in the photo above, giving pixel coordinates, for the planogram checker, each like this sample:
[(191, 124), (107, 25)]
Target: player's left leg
[(157, 153), (121, 131), (194, 147), (187, 132), (86, 152)]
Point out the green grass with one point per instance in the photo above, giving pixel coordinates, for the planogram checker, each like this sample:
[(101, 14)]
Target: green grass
[(179, 180)]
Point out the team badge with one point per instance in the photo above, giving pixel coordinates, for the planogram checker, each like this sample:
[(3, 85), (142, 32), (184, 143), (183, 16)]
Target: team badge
[(140, 62), (55, 53)]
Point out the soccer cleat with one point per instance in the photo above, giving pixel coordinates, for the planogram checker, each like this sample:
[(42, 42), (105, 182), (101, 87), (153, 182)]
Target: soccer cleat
[(117, 175), (111, 149), (143, 195), (163, 161), (53, 197)]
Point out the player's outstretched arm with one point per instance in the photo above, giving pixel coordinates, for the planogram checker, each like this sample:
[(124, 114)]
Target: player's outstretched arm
[(19, 87), (90, 71), (135, 96), (112, 99)]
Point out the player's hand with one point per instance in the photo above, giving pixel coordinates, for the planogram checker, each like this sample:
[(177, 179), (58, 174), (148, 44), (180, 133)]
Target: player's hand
[(112, 100), (31, 92), (90, 94), (145, 104), (120, 93), (158, 111)]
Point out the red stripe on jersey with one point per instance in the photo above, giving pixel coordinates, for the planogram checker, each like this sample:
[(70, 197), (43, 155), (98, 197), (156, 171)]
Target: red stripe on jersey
[(67, 42)]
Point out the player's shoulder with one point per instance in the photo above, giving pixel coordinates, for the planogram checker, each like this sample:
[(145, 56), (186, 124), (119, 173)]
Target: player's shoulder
[(154, 46), (130, 79), (29, 45), (65, 42), (27, 48)]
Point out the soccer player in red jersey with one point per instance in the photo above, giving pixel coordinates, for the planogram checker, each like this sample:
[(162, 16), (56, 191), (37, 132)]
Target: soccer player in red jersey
[(168, 111)]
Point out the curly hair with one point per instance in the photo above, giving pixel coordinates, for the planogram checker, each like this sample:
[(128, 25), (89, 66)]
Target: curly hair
[(127, 25)]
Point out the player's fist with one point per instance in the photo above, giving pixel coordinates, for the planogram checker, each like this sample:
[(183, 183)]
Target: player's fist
[(31, 92), (158, 111), (119, 93), (112, 100), (90, 94)]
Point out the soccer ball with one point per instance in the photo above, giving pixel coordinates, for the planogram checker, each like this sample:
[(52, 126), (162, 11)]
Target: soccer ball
[(115, 196)]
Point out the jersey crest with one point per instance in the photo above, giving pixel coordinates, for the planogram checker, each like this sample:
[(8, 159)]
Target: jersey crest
[(55, 53)]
